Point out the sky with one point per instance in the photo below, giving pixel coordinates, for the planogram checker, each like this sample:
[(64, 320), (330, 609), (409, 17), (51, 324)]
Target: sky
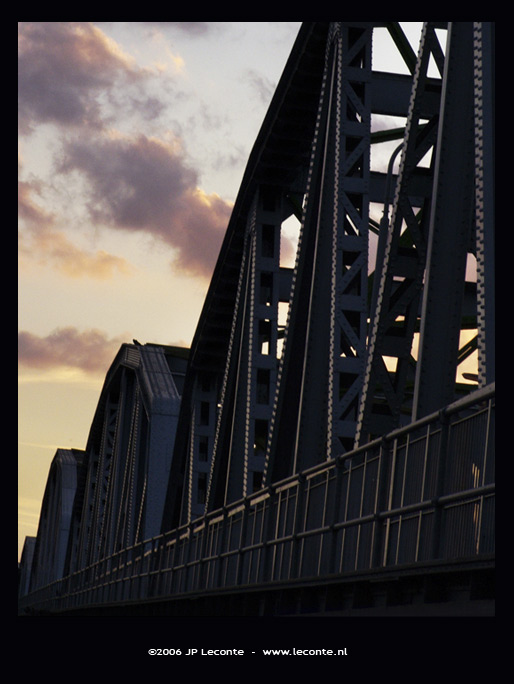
[(133, 140)]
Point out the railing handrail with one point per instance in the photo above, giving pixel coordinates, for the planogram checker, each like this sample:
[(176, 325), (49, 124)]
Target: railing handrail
[(144, 552)]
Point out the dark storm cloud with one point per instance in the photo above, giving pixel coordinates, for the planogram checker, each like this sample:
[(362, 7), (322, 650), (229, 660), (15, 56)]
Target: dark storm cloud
[(145, 184), (90, 350)]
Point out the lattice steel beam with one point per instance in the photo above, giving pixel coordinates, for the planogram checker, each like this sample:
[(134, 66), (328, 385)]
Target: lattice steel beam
[(245, 402), (396, 307), (441, 242), (127, 457), (321, 372), (451, 223), (484, 90), (332, 382)]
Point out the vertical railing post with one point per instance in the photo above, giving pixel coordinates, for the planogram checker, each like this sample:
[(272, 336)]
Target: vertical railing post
[(203, 552), (339, 470), (299, 518), (242, 543), (441, 479), (269, 526), (389, 503), (484, 478), (154, 569), (377, 558), (219, 559), (187, 555)]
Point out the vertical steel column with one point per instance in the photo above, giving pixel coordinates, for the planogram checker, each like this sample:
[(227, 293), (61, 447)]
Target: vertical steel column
[(388, 364), (122, 500), (221, 450), (201, 440), (450, 229), (213, 403), (321, 369), (99, 497), (132, 455), (250, 376), (484, 82), (272, 209), (349, 276)]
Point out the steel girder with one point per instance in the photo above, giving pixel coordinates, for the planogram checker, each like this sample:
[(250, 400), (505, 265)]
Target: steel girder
[(484, 107), (331, 386), (127, 457), (246, 398), (402, 250), (450, 229), (321, 371), (422, 281), (324, 346), (50, 552), (330, 389), (27, 557), (223, 375)]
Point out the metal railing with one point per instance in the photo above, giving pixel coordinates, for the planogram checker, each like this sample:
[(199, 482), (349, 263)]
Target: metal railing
[(424, 492)]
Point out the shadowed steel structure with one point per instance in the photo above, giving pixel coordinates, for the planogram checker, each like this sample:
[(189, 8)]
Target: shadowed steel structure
[(111, 495), (401, 526), (51, 544), (322, 436)]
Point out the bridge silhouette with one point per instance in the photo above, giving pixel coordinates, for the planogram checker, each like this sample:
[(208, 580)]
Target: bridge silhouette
[(317, 450)]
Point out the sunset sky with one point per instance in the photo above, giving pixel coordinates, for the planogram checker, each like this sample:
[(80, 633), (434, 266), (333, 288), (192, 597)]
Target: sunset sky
[(133, 140)]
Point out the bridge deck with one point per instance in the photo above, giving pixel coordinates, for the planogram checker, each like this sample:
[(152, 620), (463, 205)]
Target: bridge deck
[(424, 519)]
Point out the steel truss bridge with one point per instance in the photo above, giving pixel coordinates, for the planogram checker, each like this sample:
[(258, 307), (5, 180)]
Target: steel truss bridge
[(317, 450)]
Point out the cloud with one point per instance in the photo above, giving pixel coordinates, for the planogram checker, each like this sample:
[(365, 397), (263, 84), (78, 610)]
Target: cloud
[(70, 75), (91, 351), (261, 85), (43, 242), (28, 209), (50, 246), (67, 71), (145, 184), (191, 28)]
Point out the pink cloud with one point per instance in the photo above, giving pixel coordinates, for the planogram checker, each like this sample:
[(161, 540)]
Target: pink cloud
[(145, 184), (69, 74), (91, 350), (42, 242), (63, 68), (28, 209)]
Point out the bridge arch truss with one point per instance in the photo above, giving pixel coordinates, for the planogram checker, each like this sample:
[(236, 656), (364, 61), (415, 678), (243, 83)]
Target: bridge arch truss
[(318, 404)]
